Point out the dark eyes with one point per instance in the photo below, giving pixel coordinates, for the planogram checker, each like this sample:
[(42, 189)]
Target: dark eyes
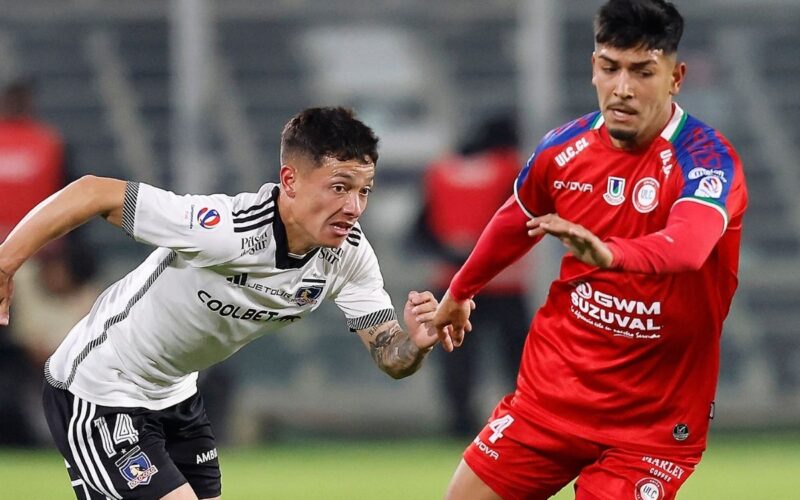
[(341, 189)]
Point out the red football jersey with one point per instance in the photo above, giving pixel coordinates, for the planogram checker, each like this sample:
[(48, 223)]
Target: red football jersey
[(462, 195), (623, 358), (31, 168)]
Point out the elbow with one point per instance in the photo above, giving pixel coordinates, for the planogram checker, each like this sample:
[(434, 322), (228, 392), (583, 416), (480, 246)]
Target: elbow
[(89, 186), (398, 373), (693, 262)]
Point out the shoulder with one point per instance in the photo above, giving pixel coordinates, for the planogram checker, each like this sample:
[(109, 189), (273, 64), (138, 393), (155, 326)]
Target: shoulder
[(700, 145), (250, 211), (549, 145), (570, 130)]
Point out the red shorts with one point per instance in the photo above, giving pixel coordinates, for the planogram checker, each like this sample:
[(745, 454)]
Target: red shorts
[(520, 459)]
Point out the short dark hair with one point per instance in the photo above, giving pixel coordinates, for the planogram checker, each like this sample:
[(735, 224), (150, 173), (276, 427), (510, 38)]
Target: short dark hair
[(335, 132), (648, 24)]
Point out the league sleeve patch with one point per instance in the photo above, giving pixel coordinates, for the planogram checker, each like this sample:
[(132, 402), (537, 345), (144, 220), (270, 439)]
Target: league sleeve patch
[(709, 186), (136, 467), (208, 218)]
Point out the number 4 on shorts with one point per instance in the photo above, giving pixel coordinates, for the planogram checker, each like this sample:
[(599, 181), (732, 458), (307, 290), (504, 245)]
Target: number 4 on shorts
[(498, 426)]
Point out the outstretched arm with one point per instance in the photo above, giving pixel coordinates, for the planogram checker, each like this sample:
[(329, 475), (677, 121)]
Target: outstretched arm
[(395, 351), (62, 212), (688, 238), (504, 241)]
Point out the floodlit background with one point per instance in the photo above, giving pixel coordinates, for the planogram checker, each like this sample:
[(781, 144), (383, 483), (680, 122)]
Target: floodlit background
[(191, 95)]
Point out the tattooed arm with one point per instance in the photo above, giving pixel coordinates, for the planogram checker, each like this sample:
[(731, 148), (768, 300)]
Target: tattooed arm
[(395, 351)]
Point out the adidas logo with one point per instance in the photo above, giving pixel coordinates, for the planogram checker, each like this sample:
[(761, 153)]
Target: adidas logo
[(240, 279)]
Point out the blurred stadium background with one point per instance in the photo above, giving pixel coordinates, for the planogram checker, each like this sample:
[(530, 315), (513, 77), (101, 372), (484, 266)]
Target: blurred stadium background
[(192, 95)]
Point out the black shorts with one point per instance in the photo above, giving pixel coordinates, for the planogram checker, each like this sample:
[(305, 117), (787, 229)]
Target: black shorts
[(133, 452)]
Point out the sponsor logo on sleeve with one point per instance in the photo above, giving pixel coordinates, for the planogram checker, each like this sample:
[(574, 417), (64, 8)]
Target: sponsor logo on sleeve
[(615, 191), (710, 187), (666, 161), (208, 218), (698, 172), (645, 195), (136, 467), (649, 489)]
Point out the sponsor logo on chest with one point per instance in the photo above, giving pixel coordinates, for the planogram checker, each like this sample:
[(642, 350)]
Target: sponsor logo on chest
[(567, 185), (620, 316)]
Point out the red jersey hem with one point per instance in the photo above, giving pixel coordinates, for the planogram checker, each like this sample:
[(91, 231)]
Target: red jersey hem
[(533, 411)]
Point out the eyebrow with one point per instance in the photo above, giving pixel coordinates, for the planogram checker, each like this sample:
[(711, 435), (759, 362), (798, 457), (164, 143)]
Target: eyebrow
[(635, 65), (351, 177)]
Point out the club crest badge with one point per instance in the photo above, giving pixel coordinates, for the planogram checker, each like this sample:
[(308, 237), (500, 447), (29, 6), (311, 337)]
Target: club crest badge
[(615, 191), (136, 467), (649, 488), (307, 295), (645, 195)]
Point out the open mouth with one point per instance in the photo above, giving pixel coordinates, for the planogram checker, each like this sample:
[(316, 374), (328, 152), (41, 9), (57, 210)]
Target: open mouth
[(621, 113), (341, 228)]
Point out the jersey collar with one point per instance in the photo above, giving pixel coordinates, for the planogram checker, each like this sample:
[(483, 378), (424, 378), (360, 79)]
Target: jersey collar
[(669, 133)]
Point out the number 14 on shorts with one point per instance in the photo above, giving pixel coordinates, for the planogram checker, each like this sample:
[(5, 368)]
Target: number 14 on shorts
[(124, 431), (498, 426)]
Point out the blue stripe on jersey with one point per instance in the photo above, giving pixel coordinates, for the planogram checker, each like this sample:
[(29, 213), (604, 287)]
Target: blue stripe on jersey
[(557, 137), (706, 163)]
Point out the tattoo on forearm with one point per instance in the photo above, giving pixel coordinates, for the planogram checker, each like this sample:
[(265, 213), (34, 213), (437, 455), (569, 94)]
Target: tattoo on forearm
[(394, 351)]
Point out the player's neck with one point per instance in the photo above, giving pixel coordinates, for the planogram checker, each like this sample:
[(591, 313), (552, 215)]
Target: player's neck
[(297, 242)]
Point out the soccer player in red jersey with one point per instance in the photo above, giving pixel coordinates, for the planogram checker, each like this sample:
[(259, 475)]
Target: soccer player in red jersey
[(620, 367)]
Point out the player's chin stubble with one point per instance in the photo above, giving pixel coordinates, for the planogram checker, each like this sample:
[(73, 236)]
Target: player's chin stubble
[(622, 135)]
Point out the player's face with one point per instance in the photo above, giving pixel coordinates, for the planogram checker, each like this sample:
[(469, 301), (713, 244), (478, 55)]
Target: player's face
[(635, 89), (327, 200)]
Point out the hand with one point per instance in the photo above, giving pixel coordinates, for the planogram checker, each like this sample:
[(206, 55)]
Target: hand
[(581, 242), (6, 291), (451, 321), (418, 314)]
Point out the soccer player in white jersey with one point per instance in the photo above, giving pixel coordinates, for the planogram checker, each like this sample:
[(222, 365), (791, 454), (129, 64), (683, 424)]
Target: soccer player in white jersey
[(121, 398)]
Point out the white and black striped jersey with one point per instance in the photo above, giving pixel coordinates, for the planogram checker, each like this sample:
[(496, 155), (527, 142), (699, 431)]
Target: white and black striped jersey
[(221, 277)]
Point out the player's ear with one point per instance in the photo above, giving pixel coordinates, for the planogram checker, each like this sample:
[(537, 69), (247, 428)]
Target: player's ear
[(288, 177), (593, 70), (678, 75)]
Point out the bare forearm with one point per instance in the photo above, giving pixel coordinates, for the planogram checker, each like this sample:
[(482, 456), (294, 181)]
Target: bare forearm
[(60, 213), (394, 351)]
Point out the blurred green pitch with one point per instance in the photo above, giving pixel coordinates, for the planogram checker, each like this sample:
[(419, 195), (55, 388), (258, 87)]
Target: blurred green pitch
[(742, 467)]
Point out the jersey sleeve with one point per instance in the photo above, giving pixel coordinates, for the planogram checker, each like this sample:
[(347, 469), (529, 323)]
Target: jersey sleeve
[(200, 228), (712, 174), (362, 297), (530, 189)]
